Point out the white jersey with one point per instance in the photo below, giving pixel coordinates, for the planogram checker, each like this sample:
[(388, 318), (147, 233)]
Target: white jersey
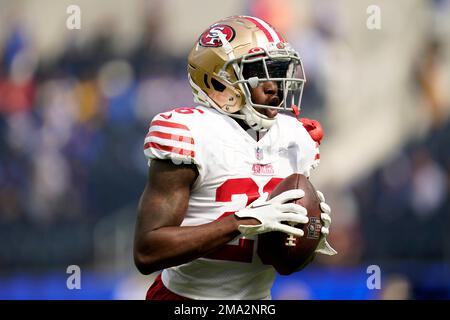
[(234, 170)]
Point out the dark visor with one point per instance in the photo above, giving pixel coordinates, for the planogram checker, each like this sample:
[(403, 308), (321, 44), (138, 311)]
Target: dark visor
[(276, 69)]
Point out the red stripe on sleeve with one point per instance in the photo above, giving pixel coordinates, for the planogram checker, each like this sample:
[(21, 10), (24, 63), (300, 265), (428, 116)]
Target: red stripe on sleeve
[(170, 136), (168, 124), (158, 146)]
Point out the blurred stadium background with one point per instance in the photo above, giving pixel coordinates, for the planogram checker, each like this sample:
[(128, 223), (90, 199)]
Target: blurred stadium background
[(74, 110)]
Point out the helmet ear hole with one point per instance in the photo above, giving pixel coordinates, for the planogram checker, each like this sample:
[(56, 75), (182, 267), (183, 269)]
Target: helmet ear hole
[(205, 81), (217, 85)]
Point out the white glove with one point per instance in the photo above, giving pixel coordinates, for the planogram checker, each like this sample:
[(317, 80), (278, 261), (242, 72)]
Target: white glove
[(324, 247), (270, 214)]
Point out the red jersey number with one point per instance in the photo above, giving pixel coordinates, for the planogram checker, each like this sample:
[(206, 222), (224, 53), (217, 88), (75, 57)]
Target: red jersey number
[(182, 110), (243, 251)]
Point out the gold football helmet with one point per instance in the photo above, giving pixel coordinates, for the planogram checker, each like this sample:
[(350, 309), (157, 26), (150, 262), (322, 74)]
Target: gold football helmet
[(236, 54)]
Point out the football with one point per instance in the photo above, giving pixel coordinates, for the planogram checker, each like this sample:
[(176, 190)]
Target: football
[(288, 253)]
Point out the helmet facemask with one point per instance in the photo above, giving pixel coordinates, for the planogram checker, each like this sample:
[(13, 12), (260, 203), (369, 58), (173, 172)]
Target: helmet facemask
[(283, 67)]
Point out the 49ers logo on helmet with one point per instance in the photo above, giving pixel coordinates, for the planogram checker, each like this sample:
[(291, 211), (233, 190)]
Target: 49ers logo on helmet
[(211, 37)]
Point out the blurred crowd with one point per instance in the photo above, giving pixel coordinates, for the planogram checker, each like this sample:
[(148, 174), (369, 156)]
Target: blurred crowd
[(404, 205), (400, 210), (72, 126)]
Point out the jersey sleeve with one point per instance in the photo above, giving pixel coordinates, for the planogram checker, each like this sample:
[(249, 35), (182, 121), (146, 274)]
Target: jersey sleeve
[(171, 138), (312, 158), (311, 132)]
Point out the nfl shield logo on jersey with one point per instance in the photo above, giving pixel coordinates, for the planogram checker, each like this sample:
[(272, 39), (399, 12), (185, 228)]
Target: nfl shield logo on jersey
[(259, 153)]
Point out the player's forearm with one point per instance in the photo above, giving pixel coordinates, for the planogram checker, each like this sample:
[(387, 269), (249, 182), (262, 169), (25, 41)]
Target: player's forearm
[(170, 246)]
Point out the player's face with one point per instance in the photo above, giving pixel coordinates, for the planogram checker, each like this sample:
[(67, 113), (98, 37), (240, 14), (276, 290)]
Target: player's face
[(266, 93)]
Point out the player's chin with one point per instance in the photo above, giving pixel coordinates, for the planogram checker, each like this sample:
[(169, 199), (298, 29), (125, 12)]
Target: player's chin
[(271, 113)]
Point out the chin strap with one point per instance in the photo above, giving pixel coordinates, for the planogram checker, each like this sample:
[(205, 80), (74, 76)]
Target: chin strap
[(253, 118), (255, 121), (295, 110)]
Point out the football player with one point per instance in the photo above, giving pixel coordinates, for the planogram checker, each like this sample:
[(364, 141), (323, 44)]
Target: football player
[(212, 166)]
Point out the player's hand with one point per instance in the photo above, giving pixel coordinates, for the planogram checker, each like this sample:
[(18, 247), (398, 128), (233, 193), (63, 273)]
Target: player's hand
[(324, 247), (271, 212)]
